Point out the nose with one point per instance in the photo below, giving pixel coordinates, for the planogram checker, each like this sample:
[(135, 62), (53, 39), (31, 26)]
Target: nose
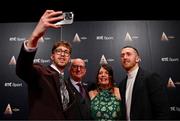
[(103, 74), (63, 53), (125, 56), (78, 68)]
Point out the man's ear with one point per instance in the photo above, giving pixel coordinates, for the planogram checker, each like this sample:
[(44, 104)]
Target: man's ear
[(52, 57), (137, 59), (85, 70), (70, 64)]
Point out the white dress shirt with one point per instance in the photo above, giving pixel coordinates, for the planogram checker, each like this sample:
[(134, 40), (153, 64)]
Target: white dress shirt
[(28, 49), (55, 68), (129, 89), (75, 84)]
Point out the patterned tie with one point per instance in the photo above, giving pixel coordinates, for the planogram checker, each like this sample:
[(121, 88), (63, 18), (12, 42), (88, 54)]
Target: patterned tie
[(81, 89), (64, 92)]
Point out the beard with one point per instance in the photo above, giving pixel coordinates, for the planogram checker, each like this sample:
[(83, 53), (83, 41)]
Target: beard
[(128, 65), (60, 65)]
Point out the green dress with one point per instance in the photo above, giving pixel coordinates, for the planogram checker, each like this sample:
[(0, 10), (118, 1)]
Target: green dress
[(105, 106)]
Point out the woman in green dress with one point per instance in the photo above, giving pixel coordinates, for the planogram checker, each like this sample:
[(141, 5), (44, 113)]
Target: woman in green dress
[(105, 98)]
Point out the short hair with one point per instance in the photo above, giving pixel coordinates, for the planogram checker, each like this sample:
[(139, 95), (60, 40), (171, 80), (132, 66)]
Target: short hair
[(62, 43), (72, 60), (128, 46)]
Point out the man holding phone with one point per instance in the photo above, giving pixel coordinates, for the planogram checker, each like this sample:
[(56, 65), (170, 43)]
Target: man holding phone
[(50, 97)]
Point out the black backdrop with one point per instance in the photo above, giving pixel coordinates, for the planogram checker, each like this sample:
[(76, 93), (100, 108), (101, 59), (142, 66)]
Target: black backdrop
[(94, 41)]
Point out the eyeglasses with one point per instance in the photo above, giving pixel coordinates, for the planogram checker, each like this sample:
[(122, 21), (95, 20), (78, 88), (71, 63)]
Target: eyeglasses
[(60, 52), (78, 66)]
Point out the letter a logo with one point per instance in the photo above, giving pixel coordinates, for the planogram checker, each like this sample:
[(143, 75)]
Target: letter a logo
[(164, 37), (76, 38), (128, 37), (103, 60), (8, 110), (41, 40), (170, 83), (12, 61)]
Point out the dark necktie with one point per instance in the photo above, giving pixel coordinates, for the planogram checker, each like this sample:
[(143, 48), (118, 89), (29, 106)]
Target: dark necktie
[(81, 89), (64, 92)]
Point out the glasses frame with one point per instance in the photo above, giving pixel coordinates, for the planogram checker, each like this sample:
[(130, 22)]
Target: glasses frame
[(78, 66), (60, 52)]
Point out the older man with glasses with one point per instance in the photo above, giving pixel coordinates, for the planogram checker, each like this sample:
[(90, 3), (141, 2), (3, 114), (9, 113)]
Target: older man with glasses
[(77, 72)]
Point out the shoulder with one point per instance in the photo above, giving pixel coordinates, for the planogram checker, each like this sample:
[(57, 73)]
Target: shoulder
[(44, 70), (146, 74), (116, 92), (149, 74), (152, 78), (92, 94)]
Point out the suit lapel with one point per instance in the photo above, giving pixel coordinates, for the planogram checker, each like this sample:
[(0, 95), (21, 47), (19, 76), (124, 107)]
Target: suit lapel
[(70, 90), (55, 76), (85, 86), (137, 84), (123, 89), (74, 90), (123, 92)]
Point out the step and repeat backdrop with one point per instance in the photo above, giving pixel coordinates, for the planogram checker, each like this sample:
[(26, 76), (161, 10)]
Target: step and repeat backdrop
[(96, 42)]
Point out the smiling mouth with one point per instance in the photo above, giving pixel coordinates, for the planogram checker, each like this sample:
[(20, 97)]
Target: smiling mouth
[(103, 79), (61, 59), (126, 62)]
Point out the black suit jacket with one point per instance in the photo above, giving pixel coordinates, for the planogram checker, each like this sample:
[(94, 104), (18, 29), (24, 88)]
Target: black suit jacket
[(82, 104), (149, 97), (43, 89)]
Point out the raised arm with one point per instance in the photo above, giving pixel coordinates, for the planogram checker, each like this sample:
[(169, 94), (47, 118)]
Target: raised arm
[(46, 21)]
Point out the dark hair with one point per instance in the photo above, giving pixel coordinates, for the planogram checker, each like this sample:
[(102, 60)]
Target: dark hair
[(62, 43), (132, 48), (108, 68)]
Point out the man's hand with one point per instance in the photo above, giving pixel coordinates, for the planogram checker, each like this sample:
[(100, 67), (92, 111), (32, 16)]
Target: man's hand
[(47, 20)]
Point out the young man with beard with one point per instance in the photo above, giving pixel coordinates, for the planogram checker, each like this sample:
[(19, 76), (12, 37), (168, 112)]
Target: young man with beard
[(143, 93), (48, 93)]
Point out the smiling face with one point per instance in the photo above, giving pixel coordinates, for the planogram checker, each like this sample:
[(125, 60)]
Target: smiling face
[(129, 58), (105, 77), (77, 69), (60, 57)]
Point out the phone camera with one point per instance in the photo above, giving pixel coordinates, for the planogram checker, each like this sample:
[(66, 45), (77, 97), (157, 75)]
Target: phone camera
[(68, 16)]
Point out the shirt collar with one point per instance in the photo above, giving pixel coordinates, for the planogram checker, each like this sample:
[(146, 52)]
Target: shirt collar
[(133, 73), (74, 82), (55, 68)]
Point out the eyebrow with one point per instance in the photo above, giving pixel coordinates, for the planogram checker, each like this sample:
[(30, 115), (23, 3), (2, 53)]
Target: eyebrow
[(77, 65), (62, 49)]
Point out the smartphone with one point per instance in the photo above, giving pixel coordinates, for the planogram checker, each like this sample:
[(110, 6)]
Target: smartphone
[(68, 19)]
